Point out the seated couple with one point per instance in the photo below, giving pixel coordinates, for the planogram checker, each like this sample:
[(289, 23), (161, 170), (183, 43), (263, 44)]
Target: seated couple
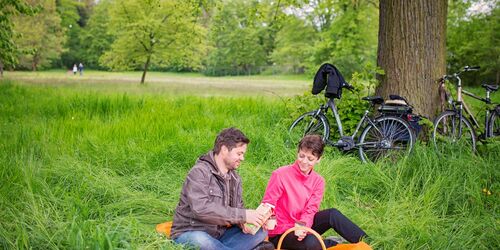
[(211, 214)]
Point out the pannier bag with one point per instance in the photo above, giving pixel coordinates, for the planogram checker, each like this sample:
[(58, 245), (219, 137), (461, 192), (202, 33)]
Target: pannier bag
[(328, 76), (398, 106)]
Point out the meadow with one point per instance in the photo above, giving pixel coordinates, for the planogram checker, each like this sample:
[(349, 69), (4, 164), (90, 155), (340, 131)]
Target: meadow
[(96, 163)]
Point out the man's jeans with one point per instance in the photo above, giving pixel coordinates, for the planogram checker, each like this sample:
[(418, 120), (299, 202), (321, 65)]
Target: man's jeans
[(233, 238)]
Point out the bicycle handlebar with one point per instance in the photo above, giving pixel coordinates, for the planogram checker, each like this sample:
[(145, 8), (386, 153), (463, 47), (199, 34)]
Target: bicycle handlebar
[(348, 86), (471, 68), (455, 75)]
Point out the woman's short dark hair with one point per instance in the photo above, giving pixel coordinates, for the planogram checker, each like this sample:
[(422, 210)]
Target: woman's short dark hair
[(312, 143), (231, 138)]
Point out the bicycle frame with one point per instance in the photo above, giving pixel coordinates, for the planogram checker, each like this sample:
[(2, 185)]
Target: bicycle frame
[(331, 104), (463, 106)]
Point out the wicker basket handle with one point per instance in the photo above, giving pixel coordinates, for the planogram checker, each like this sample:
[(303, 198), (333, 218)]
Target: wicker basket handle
[(301, 228)]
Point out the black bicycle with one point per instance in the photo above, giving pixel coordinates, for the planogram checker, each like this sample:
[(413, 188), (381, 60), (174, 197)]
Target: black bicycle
[(454, 129), (383, 137)]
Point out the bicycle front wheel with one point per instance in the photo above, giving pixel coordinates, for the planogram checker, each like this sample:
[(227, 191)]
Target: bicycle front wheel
[(308, 124), (494, 124), (388, 138), (452, 134)]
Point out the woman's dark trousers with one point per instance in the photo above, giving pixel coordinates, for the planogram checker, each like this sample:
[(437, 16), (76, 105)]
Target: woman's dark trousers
[(323, 220)]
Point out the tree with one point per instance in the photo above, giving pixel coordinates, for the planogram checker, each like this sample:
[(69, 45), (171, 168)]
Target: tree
[(412, 51), (160, 32), (8, 48), (473, 39), (69, 13), (94, 38), (41, 36), (345, 33), (293, 45), (349, 40), (236, 44), (74, 18)]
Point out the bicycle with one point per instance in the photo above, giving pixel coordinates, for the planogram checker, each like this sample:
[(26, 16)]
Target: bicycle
[(452, 128), (385, 136)]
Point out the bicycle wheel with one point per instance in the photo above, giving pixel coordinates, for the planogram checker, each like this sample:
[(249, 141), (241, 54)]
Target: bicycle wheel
[(391, 138), (308, 124), (451, 135), (494, 124)]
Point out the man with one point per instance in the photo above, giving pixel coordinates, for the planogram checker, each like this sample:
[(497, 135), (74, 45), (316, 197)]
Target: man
[(210, 213), (80, 68)]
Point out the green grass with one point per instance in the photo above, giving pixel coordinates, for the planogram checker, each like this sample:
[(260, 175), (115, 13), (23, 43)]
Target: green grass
[(86, 168)]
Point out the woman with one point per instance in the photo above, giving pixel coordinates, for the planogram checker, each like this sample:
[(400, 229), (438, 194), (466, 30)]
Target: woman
[(296, 192)]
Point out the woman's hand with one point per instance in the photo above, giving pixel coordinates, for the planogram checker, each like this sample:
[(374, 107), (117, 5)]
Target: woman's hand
[(302, 236)]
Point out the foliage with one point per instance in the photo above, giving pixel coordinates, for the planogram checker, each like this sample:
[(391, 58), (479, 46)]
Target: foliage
[(82, 169), (294, 43), (473, 39), (95, 38), (73, 18), (154, 32), (235, 39), (8, 48), (41, 37), (346, 33)]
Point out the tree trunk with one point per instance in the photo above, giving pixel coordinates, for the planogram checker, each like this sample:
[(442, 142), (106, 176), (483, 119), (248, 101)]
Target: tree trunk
[(146, 66), (412, 51), (1, 69)]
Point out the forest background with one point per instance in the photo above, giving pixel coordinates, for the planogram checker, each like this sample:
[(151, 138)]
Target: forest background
[(235, 37)]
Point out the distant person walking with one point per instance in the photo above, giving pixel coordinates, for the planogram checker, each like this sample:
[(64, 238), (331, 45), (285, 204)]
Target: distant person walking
[(74, 69), (80, 68)]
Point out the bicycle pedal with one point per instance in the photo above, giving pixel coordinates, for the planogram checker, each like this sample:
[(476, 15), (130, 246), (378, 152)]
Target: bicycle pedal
[(482, 137), (346, 143)]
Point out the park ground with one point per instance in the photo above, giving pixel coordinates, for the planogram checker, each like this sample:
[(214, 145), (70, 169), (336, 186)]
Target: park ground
[(96, 161)]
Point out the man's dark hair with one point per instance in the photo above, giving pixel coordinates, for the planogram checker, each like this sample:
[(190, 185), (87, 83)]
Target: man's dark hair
[(312, 143), (229, 137)]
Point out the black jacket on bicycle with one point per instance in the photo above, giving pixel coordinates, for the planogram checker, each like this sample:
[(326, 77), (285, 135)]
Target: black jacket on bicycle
[(329, 76)]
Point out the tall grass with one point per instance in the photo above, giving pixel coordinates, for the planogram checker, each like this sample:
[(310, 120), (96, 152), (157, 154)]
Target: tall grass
[(90, 170)]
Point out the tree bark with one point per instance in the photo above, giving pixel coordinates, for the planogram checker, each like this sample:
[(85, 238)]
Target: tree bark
[(146, 66), (412, 51)]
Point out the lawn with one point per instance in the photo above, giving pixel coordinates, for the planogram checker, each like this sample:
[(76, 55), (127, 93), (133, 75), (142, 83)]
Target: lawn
[(97, 161)]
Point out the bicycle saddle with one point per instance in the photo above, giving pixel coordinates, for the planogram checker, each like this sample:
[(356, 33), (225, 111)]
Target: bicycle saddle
[(374, 99), (490, 87)]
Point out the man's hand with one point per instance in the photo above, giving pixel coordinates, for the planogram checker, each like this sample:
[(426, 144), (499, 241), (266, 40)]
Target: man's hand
[(245, 228), (254, 217)]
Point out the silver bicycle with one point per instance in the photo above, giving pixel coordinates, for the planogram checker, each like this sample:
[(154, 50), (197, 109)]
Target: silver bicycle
[(455, 128), (383, 137)]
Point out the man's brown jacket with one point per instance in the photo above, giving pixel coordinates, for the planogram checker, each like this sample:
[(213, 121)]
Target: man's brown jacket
[(209, 201)]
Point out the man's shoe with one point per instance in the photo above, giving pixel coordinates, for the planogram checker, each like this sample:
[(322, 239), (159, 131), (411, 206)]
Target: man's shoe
[(265, 245)]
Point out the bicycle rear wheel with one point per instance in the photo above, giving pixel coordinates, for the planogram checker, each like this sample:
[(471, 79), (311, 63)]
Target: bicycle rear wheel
[(494, 124), (308, 124), (452, 134), (391, 138)]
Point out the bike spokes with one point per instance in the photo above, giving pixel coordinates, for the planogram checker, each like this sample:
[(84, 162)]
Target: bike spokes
[(307, 124), (391, 139), (453, 134)]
